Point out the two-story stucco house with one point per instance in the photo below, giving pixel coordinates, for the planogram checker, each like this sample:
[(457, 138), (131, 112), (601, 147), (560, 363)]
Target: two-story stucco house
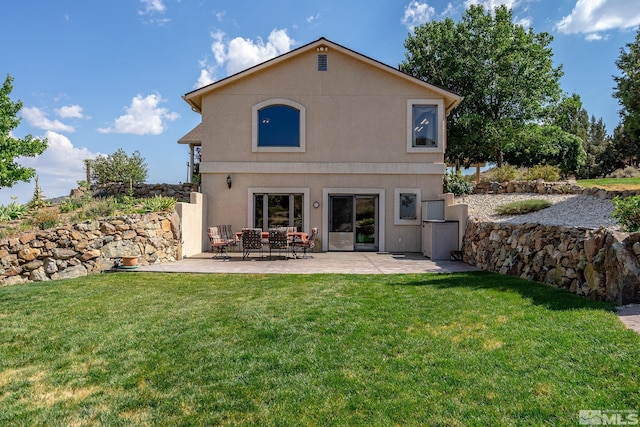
[(323, 137)]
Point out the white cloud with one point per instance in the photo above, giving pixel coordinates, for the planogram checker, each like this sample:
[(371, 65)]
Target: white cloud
[(592, 16), (416, 14), (525, 22), (151, 6), (220, 15), (143, 117), (312, 19), (60, 167), (492, 4), (594, 37), (239, 53), (70, 111), (38, 119)]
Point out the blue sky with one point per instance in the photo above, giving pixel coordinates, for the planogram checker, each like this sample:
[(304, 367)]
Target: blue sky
[(99, 75)]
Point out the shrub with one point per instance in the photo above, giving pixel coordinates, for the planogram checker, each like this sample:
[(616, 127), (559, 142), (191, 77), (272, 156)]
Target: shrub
[(158, 204), (628, 172), (503, 174), (101, 208), (12, 211), (45, 219), (545, 172), (455, 183), (70, 204), (522, 207), (627, 212)]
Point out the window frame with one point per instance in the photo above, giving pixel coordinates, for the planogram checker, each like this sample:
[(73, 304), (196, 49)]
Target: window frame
[(440, 120), (253, 191), (256, 148), (396, 204)]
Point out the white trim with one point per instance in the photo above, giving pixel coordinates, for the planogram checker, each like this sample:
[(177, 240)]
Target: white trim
[(303, 127), (440, 123), (347, 191), (324, 168), (279, 190), (396, 206)]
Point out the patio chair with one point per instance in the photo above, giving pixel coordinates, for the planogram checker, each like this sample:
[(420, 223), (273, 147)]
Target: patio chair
[(278, 240), (226, 230), (219, 244), (251, 240), (309, 243)]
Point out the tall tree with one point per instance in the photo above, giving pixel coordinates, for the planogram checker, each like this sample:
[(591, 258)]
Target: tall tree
[(10, 147), (504, 72), (627, 135)]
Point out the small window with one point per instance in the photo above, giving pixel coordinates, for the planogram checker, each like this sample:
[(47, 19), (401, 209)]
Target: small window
[(407, 204), (424, 126), (323, 64), (425, 118), (278, 125)]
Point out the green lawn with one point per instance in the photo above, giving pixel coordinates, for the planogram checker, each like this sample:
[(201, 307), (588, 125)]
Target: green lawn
[(379, 350), (611, 183)]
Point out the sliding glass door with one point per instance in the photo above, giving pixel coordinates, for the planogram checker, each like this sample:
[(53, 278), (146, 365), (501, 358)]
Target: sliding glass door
[(353, 222)]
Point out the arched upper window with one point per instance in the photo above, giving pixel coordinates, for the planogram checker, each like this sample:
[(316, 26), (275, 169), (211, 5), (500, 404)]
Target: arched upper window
[(278, 126)]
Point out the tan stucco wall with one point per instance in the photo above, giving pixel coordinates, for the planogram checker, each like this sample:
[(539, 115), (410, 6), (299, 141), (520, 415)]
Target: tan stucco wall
[(229, 205), (354, 109), (193, 225), (356, 137)]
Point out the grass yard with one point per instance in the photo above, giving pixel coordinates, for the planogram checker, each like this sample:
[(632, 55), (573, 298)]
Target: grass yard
[(619, 184), (278, 350)]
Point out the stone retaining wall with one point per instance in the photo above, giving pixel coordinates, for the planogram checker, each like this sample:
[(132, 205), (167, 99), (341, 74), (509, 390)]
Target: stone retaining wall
[(598, 264), (180, 192), (543, 187), (89, 247)]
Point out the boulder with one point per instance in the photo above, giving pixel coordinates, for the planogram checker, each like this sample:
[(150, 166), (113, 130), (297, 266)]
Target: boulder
[(623, 270), (70, 273)]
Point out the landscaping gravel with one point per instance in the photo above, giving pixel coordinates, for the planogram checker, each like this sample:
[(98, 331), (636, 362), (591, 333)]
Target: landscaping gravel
[(567, 210)]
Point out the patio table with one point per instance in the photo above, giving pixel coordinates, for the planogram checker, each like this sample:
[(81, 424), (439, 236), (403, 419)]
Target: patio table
[(297, 236)]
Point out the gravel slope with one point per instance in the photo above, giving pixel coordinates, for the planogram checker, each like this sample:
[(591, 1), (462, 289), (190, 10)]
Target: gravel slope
[(567, 210)]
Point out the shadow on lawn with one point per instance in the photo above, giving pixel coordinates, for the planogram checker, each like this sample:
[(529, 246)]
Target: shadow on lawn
[(539, 293)]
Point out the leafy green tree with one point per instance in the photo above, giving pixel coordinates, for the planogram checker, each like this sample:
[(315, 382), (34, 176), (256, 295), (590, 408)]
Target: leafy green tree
[(570, 116), (11, 147), (627, 136), (546, 144), (118, 167), (504, 72)]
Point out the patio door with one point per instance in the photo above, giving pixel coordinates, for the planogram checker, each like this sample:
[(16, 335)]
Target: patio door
[(278, 210), (353, 222)]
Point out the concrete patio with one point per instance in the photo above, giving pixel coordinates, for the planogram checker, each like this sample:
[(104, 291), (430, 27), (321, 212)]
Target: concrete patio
[(325, 262)]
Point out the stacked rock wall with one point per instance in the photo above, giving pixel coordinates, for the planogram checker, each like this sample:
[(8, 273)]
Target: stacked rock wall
[(598, 264), (543, 187), (180, 192), (88, 247)]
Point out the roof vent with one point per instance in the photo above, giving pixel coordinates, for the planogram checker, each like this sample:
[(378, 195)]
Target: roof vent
[(322, 62)]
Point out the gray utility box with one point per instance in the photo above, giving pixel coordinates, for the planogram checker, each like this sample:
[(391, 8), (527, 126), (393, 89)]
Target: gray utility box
[(439, 238)]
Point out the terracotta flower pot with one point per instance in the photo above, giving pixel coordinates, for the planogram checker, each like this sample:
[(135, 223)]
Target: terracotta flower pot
[(129, 261)]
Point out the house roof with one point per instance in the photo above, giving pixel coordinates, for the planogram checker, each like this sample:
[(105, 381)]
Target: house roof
[(194, 98), (194, 136)]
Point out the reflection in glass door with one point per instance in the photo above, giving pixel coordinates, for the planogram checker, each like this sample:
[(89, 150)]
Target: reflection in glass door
[(353, 222), (366, 223)]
